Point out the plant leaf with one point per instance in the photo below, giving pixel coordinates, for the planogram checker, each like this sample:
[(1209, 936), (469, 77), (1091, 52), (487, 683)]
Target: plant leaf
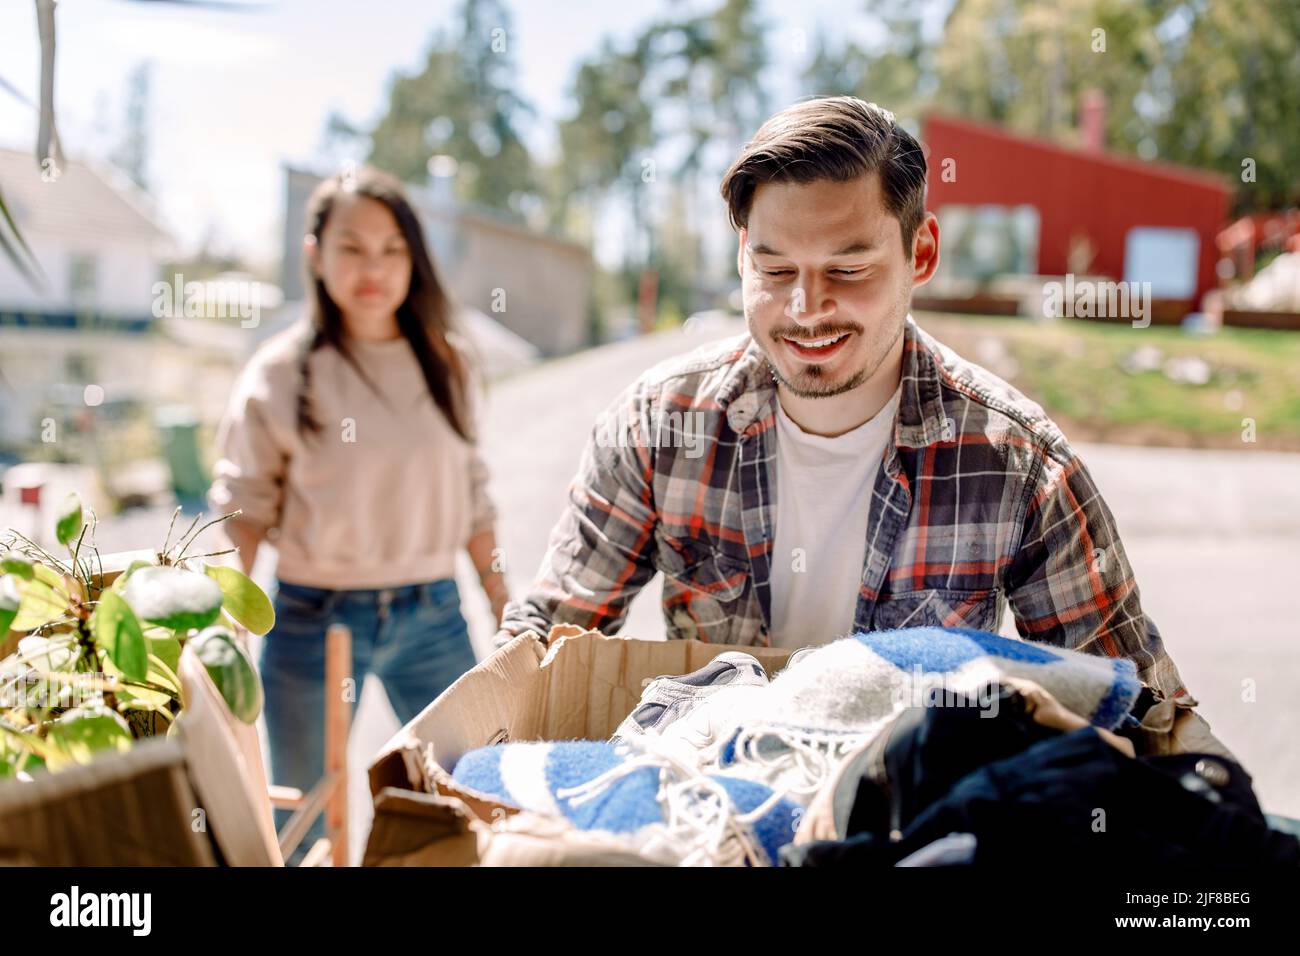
[(10, 597), (40, 604), (15, 563), (166, 649), (161, 674), (45, 655), (119, 582), (143, 698), (80, 733), (117, 633), (231, 670), (17, 250), (173, 597), (20, 751), (70, 520), (54, 578), (242, 598)]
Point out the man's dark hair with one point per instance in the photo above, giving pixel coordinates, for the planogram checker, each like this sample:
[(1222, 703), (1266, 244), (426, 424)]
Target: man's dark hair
[(837, 138)]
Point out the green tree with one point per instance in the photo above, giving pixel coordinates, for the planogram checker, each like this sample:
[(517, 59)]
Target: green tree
[(836, 70), (1229, 91), (463, 104), (132, 153), (1205, 83), (653, 121), (606, 138), (1026, 65)]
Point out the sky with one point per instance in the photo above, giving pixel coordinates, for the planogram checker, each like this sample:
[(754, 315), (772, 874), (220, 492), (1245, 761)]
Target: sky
[(236, 94)]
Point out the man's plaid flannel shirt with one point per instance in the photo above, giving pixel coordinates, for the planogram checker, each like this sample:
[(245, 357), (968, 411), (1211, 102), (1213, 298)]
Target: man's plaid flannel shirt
[(981, 500)]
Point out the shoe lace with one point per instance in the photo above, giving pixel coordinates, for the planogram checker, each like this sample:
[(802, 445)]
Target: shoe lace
[(701, 824)]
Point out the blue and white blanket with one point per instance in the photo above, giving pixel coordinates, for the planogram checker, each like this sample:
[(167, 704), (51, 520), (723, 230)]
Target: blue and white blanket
[(793, 733), (664, 811), (836, 683)]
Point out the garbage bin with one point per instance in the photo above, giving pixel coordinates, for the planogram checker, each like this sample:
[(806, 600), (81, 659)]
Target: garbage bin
[(178, 427)]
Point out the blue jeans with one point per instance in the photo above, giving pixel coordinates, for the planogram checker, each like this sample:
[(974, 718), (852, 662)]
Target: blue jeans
[(413, 638)]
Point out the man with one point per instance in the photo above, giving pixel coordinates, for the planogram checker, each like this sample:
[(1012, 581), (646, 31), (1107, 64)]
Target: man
[(837, 469)]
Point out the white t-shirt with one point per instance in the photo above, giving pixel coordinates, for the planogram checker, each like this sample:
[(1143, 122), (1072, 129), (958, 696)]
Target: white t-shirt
[(822, 501)]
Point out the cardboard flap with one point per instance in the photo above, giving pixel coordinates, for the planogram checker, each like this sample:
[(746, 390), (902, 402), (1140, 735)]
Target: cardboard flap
[(225, 764), (419, 829), (487, 703)]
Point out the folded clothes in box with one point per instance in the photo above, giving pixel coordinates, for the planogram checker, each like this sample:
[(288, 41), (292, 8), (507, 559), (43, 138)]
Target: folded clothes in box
[(685, 753)]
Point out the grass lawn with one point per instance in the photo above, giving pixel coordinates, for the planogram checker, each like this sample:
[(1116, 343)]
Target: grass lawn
[(1075, 370)]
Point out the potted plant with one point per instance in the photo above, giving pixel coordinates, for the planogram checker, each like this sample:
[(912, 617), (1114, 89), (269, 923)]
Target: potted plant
[(90, 665)]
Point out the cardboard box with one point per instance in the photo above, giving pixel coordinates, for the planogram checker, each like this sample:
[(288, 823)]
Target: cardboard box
[(580, 686)]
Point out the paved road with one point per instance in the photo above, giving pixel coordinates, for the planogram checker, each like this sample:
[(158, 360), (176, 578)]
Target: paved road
[(1214, 537)]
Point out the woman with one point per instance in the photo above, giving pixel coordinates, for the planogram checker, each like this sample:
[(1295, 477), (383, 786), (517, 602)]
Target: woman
[(349, 443)]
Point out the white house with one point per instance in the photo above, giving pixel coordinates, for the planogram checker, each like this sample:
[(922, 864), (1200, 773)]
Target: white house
[(101, 251), (97, 243)]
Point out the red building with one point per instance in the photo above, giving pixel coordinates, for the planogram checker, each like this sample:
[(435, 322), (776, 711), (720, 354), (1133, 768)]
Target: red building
[(1133, 220)]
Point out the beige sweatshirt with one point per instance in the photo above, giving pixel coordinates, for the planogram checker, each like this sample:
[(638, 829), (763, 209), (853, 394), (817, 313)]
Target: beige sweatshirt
[(377, 498)]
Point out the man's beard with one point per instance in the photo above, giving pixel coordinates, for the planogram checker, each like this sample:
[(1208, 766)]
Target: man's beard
[(813, 381)]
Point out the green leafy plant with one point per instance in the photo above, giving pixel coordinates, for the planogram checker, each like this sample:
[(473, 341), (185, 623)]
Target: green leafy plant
[(15, 248), (94, 664)]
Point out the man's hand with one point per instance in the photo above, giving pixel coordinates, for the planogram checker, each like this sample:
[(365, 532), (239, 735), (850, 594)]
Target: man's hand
[(504, 637)]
